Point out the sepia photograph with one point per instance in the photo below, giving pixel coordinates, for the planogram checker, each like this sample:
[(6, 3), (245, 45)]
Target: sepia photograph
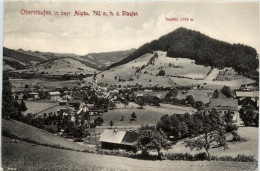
[(131, 86)]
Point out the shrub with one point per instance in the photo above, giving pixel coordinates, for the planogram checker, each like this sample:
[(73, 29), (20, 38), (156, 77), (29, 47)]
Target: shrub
[(249, 115), (225, 158), (244, 158), (200, 156), (179, 156), (77, 140), (226, 91), (203, 156), (116, 153), (237, 137), (98, 121), (161, 73), (92, 140), (7, 133), (231, 128)]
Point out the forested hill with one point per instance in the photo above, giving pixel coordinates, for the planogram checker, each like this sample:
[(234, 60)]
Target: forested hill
[(185, 43)]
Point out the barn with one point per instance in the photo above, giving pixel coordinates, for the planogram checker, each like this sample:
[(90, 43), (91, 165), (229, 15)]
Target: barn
[(114, 139)]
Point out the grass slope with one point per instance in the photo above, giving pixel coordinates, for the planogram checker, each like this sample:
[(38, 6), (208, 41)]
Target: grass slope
[(179, 67), (179, 71), (49, 84), (23, 58), (128, 71), (24, 156), (63, 66), (22, 130), (106, 58)]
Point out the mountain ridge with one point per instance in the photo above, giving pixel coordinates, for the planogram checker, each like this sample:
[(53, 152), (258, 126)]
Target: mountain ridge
[(22, 59)]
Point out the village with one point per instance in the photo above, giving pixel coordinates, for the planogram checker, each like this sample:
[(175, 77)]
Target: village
[(112, 114)]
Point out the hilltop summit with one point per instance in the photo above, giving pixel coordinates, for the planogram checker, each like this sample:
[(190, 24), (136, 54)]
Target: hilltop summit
[(186, 43)]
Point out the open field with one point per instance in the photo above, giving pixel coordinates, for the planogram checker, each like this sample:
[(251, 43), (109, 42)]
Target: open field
[(37, 106), (250, 147), (234, 84), (63, 66), (24, 156), (52, 84), (22, 130), (148, 115), (125, 71), (160, 94), (128, 71), (179, 67), (199, 95)]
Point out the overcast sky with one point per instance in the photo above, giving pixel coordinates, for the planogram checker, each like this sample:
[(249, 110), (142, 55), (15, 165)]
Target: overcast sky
[(230, 22)]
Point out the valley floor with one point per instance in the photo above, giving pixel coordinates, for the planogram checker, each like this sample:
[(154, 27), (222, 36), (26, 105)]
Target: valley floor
[(25, 156)]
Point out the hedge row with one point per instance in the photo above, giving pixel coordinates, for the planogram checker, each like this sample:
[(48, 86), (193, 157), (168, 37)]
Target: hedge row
[(203, 156)]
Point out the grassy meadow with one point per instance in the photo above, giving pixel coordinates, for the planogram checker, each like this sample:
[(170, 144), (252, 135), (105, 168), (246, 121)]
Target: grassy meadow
[(24, 156), (148, 115), (50, 84)]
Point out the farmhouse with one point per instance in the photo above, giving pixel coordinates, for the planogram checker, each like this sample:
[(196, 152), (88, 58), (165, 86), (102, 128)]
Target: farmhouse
[(114, 139), (53, 96), (243, 94), (223, 106), (252, 95), (34, 95)]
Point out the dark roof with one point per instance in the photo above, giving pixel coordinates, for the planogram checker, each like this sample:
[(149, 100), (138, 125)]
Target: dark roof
[(74, 101), (54, 93), (221, 95), (130, 137)]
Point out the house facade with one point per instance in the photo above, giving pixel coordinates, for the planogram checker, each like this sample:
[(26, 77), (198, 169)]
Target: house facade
[(34, 95), (252, 95), (53, 96), (223, 106)]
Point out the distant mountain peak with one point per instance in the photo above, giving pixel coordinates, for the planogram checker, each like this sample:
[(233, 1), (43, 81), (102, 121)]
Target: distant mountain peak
[(186, 43)]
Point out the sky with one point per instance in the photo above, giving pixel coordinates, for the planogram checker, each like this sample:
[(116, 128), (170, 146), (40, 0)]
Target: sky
[(232, 22)]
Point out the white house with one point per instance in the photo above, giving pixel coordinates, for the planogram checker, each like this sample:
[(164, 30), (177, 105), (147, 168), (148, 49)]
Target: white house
[(53, 96)]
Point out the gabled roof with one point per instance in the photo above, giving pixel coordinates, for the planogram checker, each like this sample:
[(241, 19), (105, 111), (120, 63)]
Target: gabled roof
[(247, 93), (119, 137), (54, 93), (110, 136), (223, 103), (34, 93)]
